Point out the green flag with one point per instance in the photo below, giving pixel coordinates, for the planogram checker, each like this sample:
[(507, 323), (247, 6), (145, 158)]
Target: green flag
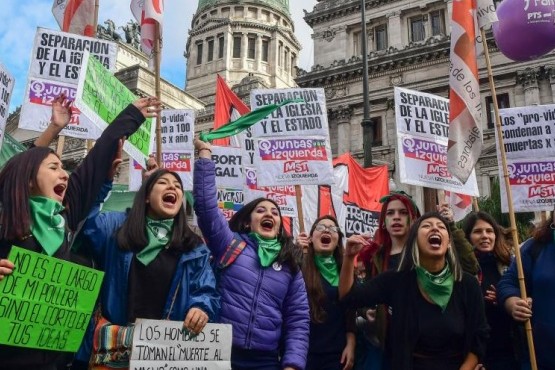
[(246, 121)]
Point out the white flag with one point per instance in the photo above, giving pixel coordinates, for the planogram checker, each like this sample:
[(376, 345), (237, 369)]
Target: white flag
[(148, 13), (75, 16)]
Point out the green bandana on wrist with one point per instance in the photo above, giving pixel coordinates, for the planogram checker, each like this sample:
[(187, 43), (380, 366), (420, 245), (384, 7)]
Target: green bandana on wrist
[(48, 225), (158, 233), (268, 249), (438, 287), (328, 268)]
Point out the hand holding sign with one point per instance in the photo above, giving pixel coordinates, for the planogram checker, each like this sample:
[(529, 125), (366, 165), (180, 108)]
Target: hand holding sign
[(195, 320), (6, 268)]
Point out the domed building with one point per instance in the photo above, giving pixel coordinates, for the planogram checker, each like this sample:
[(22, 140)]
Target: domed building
[(247, 42)]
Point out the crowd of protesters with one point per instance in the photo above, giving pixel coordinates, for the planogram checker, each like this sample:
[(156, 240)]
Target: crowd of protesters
[(418, 294)]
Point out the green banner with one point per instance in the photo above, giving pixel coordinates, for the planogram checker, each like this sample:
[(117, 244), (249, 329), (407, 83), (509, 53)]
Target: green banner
[(101, 97), (46, 302)]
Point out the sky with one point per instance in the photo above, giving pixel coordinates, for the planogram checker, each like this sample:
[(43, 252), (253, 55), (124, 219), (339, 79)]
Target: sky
[(22, 17)]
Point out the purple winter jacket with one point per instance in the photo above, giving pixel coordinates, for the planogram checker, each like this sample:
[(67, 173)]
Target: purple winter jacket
[(267, 307)]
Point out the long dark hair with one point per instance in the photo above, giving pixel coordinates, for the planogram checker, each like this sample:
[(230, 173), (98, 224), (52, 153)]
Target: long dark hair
[(544, 232), (16, 178), (132, 234), (411, 256), (314, 288), (240, 223), (382, 237), (501, 249)]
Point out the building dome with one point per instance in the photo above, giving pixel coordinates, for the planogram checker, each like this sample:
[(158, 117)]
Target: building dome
[(281, 5)]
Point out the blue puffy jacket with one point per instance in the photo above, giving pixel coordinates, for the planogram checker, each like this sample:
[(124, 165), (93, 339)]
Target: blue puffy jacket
[(267, 307), (198, 283)]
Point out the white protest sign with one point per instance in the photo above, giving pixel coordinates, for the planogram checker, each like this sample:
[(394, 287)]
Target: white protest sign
[(293, 161), (179, 162), (159, 344), (529, 144), (55, 66), (295, 119), (422, 136), (284, 196), (228, 163), (230, 201), (177, 126), (7, 82)]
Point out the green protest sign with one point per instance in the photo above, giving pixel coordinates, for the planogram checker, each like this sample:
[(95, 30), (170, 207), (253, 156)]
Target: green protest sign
[(101, 97), (46, 302)]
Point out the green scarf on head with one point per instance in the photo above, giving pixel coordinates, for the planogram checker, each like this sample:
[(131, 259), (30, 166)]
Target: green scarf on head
[(48, 225), (268, 249), (158, 233), (327, 265), (438, 287)]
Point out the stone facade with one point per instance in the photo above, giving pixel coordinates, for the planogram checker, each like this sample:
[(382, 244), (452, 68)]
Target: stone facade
[(251, 44), (408, 45)]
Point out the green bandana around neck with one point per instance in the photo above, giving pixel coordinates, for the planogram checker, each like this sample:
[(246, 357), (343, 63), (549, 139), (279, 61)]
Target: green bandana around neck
[(438, 287), (268, 249), (158, 233), (48, 225), (328, 268)]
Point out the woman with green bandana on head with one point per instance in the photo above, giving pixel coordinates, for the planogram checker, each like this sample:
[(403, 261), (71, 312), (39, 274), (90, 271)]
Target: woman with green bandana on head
[(332, 328), (437, 311), (41, 205)]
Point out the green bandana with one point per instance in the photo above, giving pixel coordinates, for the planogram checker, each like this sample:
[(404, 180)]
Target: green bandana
[(158, 232), (268, 249), (48, 225), (328, 268), (438, 287)]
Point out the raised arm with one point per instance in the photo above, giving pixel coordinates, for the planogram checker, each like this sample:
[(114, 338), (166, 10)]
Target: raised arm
[(211, 220), (61, 114), (85, 182), (346, 277)]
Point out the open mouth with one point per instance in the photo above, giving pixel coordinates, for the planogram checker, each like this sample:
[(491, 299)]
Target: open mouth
[(267, 224), (435, 241), (325, 239), (169, 198), (60, 189)]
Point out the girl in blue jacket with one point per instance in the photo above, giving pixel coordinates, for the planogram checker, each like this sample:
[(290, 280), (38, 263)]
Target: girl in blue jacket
[(155, 266), (263, 291)]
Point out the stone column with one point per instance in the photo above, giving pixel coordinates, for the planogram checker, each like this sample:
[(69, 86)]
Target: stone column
[(529, 81), (549, 75), (394, 29), (244, 50), (342, 116), (258, 53)]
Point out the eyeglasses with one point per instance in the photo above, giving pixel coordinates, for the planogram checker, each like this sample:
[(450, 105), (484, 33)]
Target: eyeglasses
[(331, 229)]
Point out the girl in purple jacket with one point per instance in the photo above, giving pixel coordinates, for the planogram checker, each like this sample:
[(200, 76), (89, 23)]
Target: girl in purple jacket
[(263, 295)]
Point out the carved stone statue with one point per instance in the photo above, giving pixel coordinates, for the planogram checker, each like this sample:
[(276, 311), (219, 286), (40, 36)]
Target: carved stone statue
[(132, 34), (108, 32)]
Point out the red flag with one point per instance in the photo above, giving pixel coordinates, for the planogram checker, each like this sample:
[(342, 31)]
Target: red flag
[(465, 113), (148, 13), (75, 16), (228, 107)]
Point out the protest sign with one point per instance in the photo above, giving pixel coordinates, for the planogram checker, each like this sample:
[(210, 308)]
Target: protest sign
[(165, 345), (353, 199), (230, 201), (46, 303), (284, 196), (529, 143), (293, 161), (101, 97), (56, 62), (177, 133), (296, 119), (422, 136), (7, 82), (229, 172)]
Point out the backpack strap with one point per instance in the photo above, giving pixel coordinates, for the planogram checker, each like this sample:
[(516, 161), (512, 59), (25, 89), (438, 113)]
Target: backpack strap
[(232, 251)]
